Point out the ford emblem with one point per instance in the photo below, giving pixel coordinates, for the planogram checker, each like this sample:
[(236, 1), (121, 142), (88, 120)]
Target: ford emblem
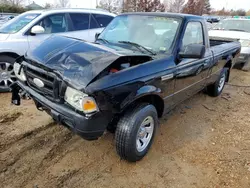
[(38, 82)]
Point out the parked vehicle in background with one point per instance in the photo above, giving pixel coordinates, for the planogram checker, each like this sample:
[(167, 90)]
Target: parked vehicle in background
[(235, 29), (5, 18), (29, 29), (140, 67)]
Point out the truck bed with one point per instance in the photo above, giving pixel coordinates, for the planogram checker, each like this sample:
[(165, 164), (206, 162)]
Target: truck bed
[(220, 46), (216, 42)]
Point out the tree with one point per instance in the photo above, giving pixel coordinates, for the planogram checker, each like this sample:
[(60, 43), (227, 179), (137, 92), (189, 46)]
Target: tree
[(114, 6), (143, 6), (203, 7), (190, 7), (223, 12), (11, 8), (150, 6), (48, 6), (198, 7), (129, 6), (174, 5), (63, 3), (240, 12), (207, 7), (12, 2)]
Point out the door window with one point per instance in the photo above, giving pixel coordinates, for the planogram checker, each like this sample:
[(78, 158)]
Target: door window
[(56, 23), (80, 21), (193, 34), (93, 23), (103, 20)]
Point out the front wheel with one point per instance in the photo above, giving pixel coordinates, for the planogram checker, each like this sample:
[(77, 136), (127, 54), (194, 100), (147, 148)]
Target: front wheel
[(216, 89), (7, 76), (135, 132)]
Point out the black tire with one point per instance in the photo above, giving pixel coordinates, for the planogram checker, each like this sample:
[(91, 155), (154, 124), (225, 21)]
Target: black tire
[(127, 132), (216, 89), (10, 60)]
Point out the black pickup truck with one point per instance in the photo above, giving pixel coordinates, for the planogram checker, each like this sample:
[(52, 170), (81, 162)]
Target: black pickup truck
[(140, 67)]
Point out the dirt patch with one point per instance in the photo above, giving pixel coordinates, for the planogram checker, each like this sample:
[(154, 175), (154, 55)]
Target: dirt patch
[(10, 117), (204, 142)]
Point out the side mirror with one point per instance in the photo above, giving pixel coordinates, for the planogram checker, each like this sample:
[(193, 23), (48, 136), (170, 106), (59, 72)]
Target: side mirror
[(97, 35), (37, 29), (193, 51)]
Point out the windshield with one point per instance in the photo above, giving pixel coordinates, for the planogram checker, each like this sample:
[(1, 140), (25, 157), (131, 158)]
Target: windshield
[(17, 23), (234, 25), (154, 33)]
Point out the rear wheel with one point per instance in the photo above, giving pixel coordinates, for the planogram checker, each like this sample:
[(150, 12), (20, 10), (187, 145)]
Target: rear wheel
[(135, 132), (216, 89), (7, 75)]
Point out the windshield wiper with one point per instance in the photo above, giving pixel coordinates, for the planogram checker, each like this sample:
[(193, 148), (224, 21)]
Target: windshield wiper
[(237, 30), (104, 40), (137, 46)]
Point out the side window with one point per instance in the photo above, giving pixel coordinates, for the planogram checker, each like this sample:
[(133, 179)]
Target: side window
[(80, 21), (56, 23), (93, 23), (103, 20), (193, 34)]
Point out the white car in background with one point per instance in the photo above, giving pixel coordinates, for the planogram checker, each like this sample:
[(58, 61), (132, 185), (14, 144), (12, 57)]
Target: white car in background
[(235, 29), (29, 29), (5, 18)]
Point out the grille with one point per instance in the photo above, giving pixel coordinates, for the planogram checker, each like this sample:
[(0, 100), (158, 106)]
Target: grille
[(51, 85)]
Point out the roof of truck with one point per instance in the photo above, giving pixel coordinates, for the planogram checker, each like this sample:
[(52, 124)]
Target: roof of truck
[(77, 10), (188, 16)]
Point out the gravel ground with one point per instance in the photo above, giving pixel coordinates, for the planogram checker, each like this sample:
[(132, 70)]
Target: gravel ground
[(204, 142)]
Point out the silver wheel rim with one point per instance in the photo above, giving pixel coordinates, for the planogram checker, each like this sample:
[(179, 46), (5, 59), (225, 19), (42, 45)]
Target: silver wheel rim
[(144, 133), (7, 75), (222, 82)]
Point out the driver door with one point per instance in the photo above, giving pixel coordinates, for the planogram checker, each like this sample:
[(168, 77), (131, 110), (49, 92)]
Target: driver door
[(52, 24), (192, 73)]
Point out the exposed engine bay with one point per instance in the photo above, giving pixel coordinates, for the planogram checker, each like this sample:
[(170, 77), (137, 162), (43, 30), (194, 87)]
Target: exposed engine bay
[(126, 62)]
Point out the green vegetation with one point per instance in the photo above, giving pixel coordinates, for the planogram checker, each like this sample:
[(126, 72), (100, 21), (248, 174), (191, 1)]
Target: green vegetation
[(12, 8)]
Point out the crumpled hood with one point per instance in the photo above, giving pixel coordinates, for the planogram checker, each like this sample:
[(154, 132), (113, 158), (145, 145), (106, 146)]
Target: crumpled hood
[(4, 36), (76, 61), (236, 35)]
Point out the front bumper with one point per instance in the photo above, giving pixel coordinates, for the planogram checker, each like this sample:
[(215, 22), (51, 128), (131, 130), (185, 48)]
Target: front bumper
[(89, 128)]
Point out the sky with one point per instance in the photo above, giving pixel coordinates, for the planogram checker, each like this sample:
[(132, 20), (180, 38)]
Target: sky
[(230, 4), (216, 4)]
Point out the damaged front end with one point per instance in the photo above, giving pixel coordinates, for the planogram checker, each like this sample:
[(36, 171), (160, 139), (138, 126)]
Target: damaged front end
[(50, 68), (57, 77)]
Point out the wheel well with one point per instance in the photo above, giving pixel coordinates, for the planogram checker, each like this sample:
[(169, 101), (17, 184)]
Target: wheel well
[(229, 66), (10, 54), (155, 100)]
